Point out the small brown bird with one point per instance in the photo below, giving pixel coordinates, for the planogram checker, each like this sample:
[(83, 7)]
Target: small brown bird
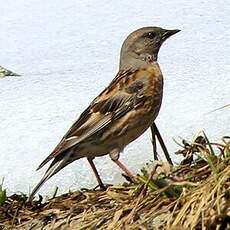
[(122, 112)]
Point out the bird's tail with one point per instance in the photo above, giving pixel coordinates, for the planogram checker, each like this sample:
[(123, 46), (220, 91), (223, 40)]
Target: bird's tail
[(57, 164)]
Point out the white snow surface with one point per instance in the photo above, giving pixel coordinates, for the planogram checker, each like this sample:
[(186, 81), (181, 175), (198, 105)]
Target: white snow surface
[(68, 51)]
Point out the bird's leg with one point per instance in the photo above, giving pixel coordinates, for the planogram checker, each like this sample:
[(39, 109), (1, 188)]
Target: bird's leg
[(114, 155), (155, 132), (100, 183), (155, 155), (125, 169)]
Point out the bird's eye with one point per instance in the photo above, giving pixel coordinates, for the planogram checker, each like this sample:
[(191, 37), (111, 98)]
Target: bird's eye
[(151, 35)]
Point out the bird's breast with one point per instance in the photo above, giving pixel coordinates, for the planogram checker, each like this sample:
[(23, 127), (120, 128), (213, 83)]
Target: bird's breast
[(153, 87), (155, 80)]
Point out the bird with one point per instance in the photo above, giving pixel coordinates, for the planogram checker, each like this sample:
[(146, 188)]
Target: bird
[(122, 112)]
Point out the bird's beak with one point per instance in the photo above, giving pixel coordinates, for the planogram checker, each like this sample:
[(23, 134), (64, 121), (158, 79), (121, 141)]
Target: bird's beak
[(169, 33)]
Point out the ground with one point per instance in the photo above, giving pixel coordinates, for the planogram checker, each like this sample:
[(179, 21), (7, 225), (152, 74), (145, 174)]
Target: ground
[(192, 195)]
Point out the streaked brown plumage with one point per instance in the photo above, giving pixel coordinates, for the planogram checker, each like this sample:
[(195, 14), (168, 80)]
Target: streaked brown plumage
[(122, 112)]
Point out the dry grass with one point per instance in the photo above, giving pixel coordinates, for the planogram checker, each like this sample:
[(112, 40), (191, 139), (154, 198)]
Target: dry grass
[(192, 195)]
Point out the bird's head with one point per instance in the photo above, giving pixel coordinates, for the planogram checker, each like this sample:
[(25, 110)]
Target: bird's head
[(144, 43)]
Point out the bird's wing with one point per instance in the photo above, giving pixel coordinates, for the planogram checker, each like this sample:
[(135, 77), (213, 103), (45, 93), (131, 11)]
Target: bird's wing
[(122, 95)]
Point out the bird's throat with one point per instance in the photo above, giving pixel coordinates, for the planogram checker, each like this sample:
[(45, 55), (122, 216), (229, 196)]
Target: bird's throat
[(137, 61), (149, 58)]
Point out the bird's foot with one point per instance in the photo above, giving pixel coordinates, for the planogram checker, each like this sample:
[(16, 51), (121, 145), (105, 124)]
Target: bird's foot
[(128, 178), (102, 187), (127, 173)]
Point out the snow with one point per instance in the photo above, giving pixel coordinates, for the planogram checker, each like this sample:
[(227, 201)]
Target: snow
[(68, 51)]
